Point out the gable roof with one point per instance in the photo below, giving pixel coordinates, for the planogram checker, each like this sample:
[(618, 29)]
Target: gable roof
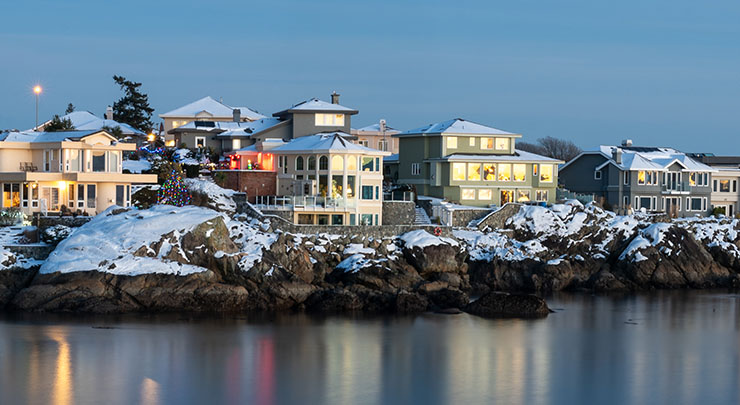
[(39, 137), (316, 105), (251, 128), (649, 158), (87, 121), (214, 108), (455, 126), (376, 128), (332, 142)]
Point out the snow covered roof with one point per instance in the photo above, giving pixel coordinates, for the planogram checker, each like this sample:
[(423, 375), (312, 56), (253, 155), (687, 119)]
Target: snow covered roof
[(376, 128), (316, 105), (86, 121), (518, 156), (651, 158), (39, 137), (211, 107), (455, 126), (333, 142), (391, 158), (250, 128)]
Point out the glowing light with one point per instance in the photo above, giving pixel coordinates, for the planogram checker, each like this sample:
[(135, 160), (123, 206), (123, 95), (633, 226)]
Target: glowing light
[(62, 184), (37, 89), (151, 137)]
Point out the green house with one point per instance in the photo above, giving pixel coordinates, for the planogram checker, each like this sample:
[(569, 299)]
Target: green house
[(473, 164)]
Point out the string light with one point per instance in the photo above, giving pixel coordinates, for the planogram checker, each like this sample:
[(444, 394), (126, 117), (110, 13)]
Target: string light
[(173, 191)]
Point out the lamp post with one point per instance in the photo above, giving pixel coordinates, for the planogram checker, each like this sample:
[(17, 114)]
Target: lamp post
[(37, 91)]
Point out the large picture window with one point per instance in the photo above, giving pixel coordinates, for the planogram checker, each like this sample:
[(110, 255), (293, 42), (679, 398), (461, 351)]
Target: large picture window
[(520, 172), (504, 172), (458, 171), (451, 142), (486, 143), (485, 194), (503, 143), (468, 194), (337, 163), (546, 173), (489, 172), (724, 186), (98, 161), (474, 171), (329, 120)]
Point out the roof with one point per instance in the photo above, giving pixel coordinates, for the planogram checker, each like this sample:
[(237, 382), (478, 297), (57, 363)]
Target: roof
[(718, 161), (453, 127), (213, 108), (518, 156), (87, 121), (392, 158), (650, 158), (208, 126), (316, 105), (251, 128), (376, 128), (39, 137), (332, 142)]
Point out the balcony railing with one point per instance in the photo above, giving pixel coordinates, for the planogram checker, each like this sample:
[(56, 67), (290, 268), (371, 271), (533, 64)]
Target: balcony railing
[(683, 187), (28, 167), (299, 203)]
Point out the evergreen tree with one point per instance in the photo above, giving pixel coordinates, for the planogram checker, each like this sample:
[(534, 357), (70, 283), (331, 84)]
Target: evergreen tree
[(115, 131), (174, 191), (59, 124), (70, 108), (133, 108)]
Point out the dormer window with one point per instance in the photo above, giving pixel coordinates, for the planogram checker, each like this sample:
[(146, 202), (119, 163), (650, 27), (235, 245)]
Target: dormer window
[(329, 120), (502, 143)]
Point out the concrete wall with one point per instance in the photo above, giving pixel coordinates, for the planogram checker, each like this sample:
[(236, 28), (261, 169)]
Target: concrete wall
[(399, 212)]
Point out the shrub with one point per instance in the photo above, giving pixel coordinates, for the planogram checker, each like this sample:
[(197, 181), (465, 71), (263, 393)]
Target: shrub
[(55, 234), (10, 216)]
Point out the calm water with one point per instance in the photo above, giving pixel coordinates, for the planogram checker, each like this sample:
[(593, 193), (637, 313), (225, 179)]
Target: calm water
[(661, 348)]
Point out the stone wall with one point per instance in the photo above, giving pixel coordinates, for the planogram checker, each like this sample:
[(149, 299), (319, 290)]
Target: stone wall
[(251, 182), (399, 212), (286, 215), (43, 222), (38, 251), (497, 219), (461, 218)]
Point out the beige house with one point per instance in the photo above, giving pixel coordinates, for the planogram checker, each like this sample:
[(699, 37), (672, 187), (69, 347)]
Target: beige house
[(323, 179), (377, 136), (205, 109), (81, 170)]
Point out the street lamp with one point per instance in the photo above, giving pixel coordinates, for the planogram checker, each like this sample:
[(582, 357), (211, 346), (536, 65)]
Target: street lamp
[(37, 90)]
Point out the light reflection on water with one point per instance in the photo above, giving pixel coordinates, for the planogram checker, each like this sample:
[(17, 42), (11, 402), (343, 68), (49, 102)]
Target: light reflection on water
[(665, 347)]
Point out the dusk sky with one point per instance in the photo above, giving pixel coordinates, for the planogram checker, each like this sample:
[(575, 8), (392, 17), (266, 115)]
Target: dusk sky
[(659, 72)]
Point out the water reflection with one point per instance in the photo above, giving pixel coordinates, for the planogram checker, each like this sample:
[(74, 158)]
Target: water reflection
[(664, 347)]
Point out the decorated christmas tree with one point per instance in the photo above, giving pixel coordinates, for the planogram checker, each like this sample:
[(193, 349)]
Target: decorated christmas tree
[(173, 191)]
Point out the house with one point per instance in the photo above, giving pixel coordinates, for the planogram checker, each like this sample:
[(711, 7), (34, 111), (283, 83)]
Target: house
[(323, 179), (81, 170), (656, 179), (377, 136), (725, 195), (473, 164), (205, 109), (87, 121)]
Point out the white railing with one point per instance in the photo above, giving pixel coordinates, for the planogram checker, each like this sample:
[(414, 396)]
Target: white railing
[(297, 203)]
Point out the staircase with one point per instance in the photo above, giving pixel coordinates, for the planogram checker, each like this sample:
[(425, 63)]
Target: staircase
[(421, 217)]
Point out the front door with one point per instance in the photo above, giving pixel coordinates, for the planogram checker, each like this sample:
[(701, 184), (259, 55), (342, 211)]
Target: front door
[(672, 205)]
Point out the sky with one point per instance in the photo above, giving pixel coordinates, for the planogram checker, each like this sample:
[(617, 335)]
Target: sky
[(662, 73)]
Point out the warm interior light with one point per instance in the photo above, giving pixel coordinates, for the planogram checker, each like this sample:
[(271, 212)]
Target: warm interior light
[(151, 137), (62, 184), (37, 89)]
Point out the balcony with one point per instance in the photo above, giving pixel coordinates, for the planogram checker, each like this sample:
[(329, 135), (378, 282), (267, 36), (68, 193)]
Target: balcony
[(304, 203), (676, 188)]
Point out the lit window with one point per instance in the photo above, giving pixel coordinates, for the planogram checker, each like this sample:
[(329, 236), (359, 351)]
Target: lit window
[(520, 172), (522, 196), (468, 194), (329, 120), (451, 142), (507, 196), (337, 163), (504, 172), (352, 163), (489, 172), (458, 171), (383, 145), (641, 177), (485, 194), (474, 171), (546, 173), (724, 186), (541, 195), (367, 164), (471, 141), (502, 143), (200, 141), (486, 143), (534, 170)]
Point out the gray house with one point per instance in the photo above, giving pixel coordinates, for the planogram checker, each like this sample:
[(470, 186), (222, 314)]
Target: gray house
[(655, 179)]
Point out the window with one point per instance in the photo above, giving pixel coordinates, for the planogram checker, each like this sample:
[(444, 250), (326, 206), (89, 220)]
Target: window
[(200, 141), (337, 163), (458, 171), (299, 163), (323, 163), (504, 172), (377, 164), (364, 143), (329, 120), (541, 195), (641, 177), (383, 145), (98, 161), (311, 163), (377, 193), (367, 165), (724, 186), (522, 196), (626, 176), (352, 219), (367, 192), (546, 175), (11, 195), (306, 219), (366, 219), (695, 204), (337, 219), (734, 186), (236, 144), (351, 186), (485, 194), (597, 175), (120, 199), (80, 196), (507, 196), (451, 142), (113, 161), (715, 186), (352, 163), (626, 201), (520, 172), (471, 141), (91, 195), (337, 187), (415, 169), (502, 143), (474, 171), (74, 161), (534, 169), (323, 185), (71, 200), (467, 194), (489, 172), (323, 219), (25, 196), (644, 202), (486, 143), (47, 159), (692, 179), (705, 182)]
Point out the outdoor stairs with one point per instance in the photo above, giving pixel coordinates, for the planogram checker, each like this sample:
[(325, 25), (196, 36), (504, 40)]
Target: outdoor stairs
[(421, 217)]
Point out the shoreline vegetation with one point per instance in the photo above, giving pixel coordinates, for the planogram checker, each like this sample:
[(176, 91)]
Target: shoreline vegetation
[(210, 258)]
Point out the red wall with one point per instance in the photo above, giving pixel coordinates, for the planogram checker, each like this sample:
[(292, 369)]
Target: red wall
[(251, 182)]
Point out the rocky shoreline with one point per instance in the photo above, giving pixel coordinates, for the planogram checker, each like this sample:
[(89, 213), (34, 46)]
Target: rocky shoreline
[(232, 263)]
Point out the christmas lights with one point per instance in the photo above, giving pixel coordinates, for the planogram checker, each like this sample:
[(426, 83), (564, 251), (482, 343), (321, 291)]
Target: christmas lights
[(173, 191)]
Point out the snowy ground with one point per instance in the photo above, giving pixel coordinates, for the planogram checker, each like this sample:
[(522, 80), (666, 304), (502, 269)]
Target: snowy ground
[(10, 235), (136, 166)]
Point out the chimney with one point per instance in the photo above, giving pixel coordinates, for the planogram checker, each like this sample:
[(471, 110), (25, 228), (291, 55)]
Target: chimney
[(237, 114), (109, 113), (334, 97), (617, 155), (382, 125), (627, 142)]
